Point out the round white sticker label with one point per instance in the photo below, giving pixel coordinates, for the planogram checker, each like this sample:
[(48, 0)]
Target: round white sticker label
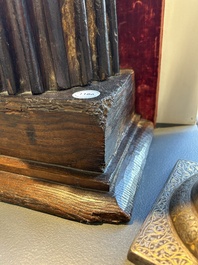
[(86, 94)]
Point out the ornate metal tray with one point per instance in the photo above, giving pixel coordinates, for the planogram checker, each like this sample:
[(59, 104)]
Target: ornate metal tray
[(169, 234)]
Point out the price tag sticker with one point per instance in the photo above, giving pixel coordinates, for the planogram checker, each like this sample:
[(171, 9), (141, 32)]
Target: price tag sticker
[(86, 94)]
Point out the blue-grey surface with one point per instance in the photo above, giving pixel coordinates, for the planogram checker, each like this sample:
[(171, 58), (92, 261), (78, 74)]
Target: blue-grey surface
[(168, 146), (32, 238)]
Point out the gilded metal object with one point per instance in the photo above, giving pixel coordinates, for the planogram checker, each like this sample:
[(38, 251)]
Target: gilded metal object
[(169, 234)]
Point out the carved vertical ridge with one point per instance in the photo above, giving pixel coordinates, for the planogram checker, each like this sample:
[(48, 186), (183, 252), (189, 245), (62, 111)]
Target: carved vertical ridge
[(14, 39), (23, 43), (7, 78), (92, 28), (102, 40), (39, 27), (56, 44), (68, 24), (82, 39), (113, 35), (54, 25)]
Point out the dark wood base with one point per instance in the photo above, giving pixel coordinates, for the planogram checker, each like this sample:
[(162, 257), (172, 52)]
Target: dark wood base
[(104, 198), (80, 159)]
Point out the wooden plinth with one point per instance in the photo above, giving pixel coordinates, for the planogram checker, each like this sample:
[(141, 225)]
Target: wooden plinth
[(74, 158), (56, 128)]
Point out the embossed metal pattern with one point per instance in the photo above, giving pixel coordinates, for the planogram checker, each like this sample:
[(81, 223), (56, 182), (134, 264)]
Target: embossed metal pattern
[(184, 214), (158, 242)]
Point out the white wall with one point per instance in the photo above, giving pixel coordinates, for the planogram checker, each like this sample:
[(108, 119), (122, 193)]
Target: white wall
[(178, 86)]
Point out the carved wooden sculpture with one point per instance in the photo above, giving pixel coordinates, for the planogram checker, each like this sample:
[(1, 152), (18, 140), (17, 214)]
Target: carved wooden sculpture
[(54, 45), (78, 157)]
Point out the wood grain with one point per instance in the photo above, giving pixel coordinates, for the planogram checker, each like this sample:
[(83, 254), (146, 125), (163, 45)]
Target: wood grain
[(72, 176), (56, 128), (55, 173), (68, 25), (81, 204), (75, 158), (64, 201)]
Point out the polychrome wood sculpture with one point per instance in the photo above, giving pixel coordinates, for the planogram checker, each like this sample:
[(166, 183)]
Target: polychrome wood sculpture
[(71, 143)]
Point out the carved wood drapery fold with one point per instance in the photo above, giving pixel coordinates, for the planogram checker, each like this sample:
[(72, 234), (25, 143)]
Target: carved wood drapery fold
[(56, 44)]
